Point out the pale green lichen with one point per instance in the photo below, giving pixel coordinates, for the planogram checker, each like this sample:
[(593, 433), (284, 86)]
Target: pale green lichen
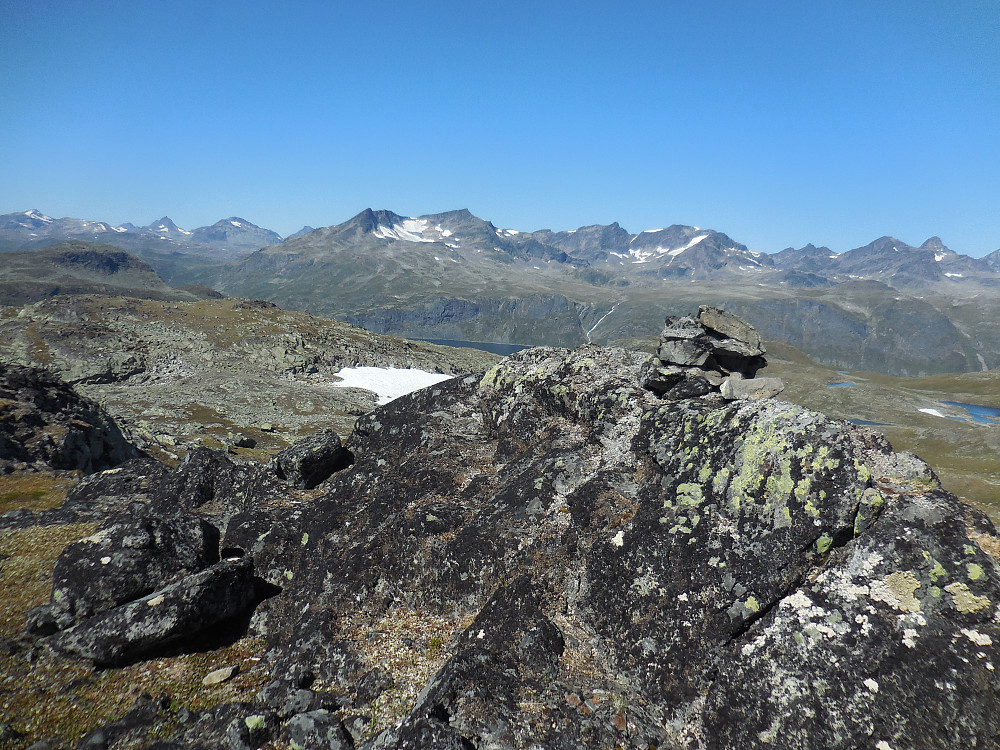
[(690, 495), (305, 539), (255, 721), (975, 571), (897, 590), (824, 543), (752, 604), (938, 571), (963, 598)]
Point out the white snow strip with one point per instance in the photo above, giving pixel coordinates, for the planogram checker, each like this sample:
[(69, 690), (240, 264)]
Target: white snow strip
[(691, 243), (235, 223), (954, 275), (932, 412), (939, 257), (120, 229), (649, 231), (388, 382)]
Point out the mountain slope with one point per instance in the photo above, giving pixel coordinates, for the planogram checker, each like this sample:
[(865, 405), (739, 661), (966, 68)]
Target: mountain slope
[(456, 276), (79, 268), (174, 252)]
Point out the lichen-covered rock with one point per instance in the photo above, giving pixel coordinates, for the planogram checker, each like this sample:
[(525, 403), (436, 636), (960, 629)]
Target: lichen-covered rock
[(719, 574), (44, 421), (126, 559), (607, 568)]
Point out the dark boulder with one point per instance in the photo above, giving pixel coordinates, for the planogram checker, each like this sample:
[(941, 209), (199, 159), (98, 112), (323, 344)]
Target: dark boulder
[(126, 559), (312, 460), (44, 421), (175, 612), (316, 730)]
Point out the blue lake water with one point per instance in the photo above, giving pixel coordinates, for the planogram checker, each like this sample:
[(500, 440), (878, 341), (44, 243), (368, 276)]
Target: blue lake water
[(981, 414), (865, 422), (501, 349)]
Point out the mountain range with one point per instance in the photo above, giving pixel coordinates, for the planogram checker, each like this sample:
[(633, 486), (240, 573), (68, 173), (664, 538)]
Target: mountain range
[(887, 306)]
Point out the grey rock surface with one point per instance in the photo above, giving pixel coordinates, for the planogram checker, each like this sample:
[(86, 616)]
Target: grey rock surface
[(178, 375), (733, 388)]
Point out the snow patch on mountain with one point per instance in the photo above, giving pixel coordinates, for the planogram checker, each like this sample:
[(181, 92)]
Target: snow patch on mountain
[(641, 255), (409, 230), (389, 383)]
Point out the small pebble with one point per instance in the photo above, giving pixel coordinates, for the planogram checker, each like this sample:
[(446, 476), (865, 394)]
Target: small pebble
[(220, 675)]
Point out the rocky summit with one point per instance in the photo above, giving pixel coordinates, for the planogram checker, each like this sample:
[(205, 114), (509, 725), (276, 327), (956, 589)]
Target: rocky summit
[(556, 553)]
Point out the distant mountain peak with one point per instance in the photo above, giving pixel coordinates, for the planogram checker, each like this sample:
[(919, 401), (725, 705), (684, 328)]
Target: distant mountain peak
[(38, 216)]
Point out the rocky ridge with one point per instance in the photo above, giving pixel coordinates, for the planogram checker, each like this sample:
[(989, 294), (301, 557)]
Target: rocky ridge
[(551, 554), (181, 374)]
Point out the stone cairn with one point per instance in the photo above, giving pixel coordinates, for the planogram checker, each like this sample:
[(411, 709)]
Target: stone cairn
[(715, 351)]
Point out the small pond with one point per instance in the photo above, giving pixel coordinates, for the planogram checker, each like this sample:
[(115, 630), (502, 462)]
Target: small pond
[(981, 414)]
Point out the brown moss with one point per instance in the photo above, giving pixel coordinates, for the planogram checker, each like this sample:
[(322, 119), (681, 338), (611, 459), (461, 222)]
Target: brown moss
[(26, 560), (56, 697), (34, 490)]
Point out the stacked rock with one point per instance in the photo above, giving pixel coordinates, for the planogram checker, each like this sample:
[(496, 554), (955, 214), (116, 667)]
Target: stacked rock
[(713, 351)]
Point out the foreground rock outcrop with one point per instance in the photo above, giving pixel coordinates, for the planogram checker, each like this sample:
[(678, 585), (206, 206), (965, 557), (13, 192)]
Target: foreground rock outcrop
[(574, 561)]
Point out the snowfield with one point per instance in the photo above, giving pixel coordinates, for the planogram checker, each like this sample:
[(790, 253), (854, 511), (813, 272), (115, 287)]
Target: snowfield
[(388, 382)]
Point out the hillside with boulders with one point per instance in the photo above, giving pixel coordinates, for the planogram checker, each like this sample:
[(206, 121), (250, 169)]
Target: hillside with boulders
[(573, 548)]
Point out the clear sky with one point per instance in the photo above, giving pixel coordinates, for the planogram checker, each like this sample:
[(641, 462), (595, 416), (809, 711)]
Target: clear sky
[(779, 123)]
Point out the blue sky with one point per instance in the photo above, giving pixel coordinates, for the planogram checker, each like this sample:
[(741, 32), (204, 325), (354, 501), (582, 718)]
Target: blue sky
[(779, 123)]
